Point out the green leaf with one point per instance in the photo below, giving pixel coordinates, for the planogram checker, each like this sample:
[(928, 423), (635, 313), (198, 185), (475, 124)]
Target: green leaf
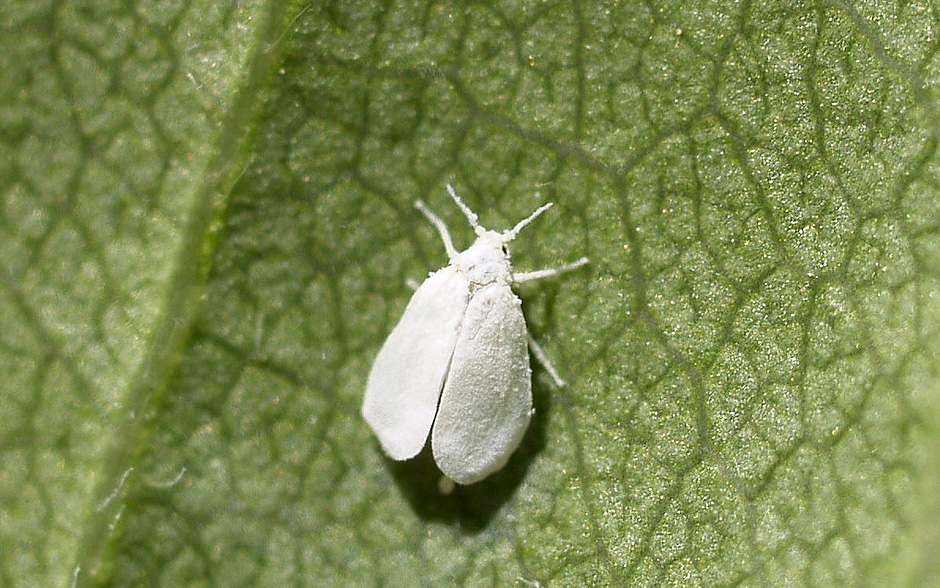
[(207, 225)]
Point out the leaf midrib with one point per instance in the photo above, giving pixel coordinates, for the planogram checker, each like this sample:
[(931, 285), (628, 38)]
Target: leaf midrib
[(228, 153)]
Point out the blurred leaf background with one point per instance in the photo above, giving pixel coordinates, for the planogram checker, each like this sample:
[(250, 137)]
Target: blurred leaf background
[(206, 224)]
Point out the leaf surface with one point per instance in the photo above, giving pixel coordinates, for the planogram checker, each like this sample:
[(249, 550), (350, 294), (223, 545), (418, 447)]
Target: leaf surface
[(206, 214)]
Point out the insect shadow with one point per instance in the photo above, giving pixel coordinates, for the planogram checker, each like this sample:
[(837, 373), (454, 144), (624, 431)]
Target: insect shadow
[(472, 506)]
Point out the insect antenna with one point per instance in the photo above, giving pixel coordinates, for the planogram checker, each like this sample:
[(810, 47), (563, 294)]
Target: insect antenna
[(471, 216), (511, 234)]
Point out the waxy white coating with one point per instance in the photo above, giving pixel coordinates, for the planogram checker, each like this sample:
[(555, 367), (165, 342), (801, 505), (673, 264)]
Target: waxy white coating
[(456, 365)]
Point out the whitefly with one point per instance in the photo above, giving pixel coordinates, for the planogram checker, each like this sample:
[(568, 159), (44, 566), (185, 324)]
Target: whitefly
[(457, 364)]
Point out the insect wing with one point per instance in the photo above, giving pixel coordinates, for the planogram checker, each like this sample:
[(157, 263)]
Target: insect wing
[(405, 382), (487, 399)]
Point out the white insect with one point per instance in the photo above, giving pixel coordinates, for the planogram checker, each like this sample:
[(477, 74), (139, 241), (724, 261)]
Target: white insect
[(458, 360)]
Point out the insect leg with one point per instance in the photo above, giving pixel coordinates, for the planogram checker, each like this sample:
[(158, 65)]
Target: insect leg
[(547, 273), (543, 359), (440, 226)]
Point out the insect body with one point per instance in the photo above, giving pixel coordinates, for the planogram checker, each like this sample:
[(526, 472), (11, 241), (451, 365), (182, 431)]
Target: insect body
[(456, 365)]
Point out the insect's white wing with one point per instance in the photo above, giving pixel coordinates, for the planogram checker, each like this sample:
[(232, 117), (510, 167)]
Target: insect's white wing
[(487, 399), (406, 379)]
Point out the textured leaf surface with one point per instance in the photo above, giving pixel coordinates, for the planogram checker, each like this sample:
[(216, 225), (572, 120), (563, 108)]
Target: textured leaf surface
[(207, 224)]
